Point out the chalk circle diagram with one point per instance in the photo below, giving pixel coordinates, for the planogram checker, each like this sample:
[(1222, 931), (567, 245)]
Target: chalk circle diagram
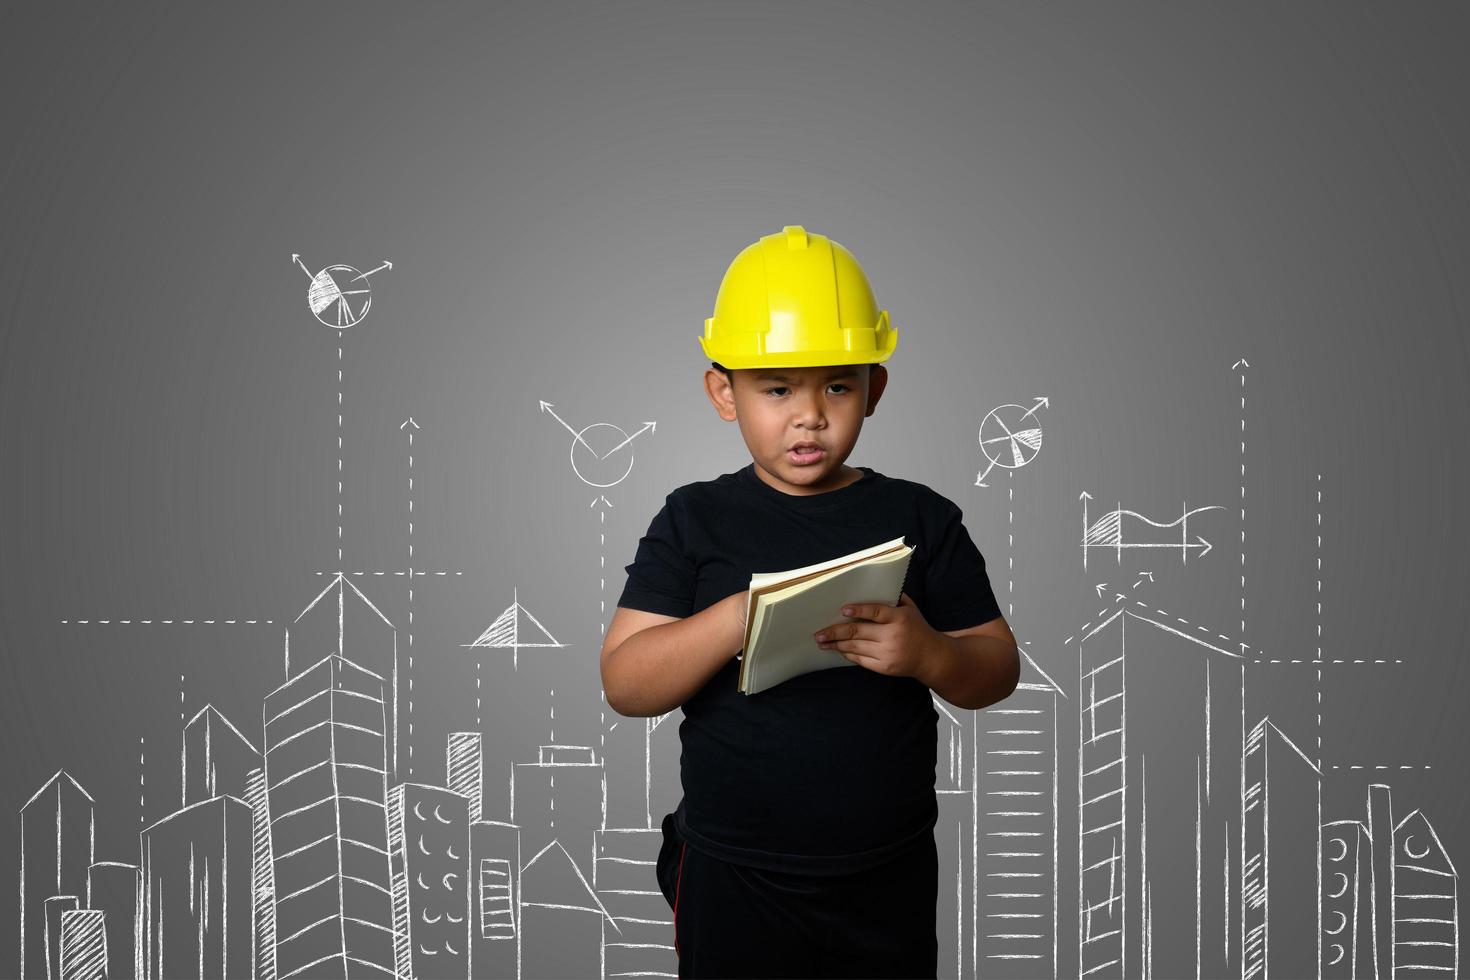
[(1010, 437), (597, 455), (339, 295), (602, 466)]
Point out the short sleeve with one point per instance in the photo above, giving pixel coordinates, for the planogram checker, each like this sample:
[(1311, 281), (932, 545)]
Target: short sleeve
[(661, 578), (956, 585)]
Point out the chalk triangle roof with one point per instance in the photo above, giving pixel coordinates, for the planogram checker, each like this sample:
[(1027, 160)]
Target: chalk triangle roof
[(516, 627), (342, 583), (553, 884), (62, 778)]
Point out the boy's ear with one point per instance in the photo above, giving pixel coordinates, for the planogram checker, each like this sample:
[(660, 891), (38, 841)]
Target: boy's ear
[(717, 387), (877, 381)]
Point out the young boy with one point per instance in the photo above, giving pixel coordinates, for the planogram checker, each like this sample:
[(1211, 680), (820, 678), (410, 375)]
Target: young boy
[(804, 843)]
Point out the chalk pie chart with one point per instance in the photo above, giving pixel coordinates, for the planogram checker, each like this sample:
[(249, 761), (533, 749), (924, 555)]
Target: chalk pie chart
[(339, 296)]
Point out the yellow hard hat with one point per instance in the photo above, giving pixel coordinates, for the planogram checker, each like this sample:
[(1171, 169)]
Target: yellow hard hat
[(795, 299)]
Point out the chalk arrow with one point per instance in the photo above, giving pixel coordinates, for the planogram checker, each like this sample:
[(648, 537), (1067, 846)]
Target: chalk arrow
[(546, 407), (647, 427), (363, 275)]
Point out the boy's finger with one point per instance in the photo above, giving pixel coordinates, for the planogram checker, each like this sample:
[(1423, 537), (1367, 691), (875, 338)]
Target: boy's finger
[(842, 631), (874, 611)]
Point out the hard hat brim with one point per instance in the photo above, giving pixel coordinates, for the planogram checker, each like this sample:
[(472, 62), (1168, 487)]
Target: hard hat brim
[(797, 359)]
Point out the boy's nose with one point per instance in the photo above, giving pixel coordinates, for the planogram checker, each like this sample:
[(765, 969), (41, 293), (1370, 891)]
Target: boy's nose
[(811, 413)]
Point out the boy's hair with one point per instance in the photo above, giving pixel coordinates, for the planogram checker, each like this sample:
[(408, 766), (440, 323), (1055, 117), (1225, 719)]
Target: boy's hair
[(731, 378)]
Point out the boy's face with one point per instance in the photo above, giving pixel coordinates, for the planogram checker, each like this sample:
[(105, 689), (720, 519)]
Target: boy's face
[(800, 424)]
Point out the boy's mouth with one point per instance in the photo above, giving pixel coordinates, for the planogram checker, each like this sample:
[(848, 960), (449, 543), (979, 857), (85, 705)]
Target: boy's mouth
[(805, 453)]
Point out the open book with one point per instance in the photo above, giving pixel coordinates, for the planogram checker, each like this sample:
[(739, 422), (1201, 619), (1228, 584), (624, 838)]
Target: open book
[(785, 608)]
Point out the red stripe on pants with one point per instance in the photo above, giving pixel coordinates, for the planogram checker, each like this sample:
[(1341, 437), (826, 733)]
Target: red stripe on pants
[(677, 880)]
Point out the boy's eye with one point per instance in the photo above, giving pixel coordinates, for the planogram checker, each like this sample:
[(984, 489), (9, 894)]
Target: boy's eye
[(781, 389)]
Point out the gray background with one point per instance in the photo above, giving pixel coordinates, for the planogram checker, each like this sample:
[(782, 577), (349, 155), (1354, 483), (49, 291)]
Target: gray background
[(1105, 205)]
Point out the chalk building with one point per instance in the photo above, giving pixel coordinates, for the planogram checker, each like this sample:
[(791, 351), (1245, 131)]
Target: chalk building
[(262, 875), (325, 759), (559, 797), (1150, 789), (1426, 905), (113, 889), (83, 946), (55, 853), (637, 936), (429, 842), (1279, 877), (196, 892), (1013, 932), (495, 941), (341, 620), (217, 758)]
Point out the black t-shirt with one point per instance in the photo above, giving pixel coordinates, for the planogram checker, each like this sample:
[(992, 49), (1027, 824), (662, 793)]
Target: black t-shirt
[(832, 771)]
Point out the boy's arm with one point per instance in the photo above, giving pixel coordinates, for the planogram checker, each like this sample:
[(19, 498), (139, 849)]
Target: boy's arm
[(652, 664), (976, 667)]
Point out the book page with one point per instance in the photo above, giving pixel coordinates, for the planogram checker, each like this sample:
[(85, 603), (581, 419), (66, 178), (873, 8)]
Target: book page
[(760, 579)]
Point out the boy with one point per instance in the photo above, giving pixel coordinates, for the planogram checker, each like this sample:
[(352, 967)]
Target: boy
[(804, 844)]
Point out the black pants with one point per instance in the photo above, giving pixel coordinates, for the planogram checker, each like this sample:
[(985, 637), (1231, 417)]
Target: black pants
[(736, 921)]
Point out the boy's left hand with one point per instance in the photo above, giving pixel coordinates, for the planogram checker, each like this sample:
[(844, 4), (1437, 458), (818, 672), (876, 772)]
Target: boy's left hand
[(892, 640)]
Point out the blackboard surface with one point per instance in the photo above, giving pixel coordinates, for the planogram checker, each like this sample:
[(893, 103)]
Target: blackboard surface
[(347, 350)]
